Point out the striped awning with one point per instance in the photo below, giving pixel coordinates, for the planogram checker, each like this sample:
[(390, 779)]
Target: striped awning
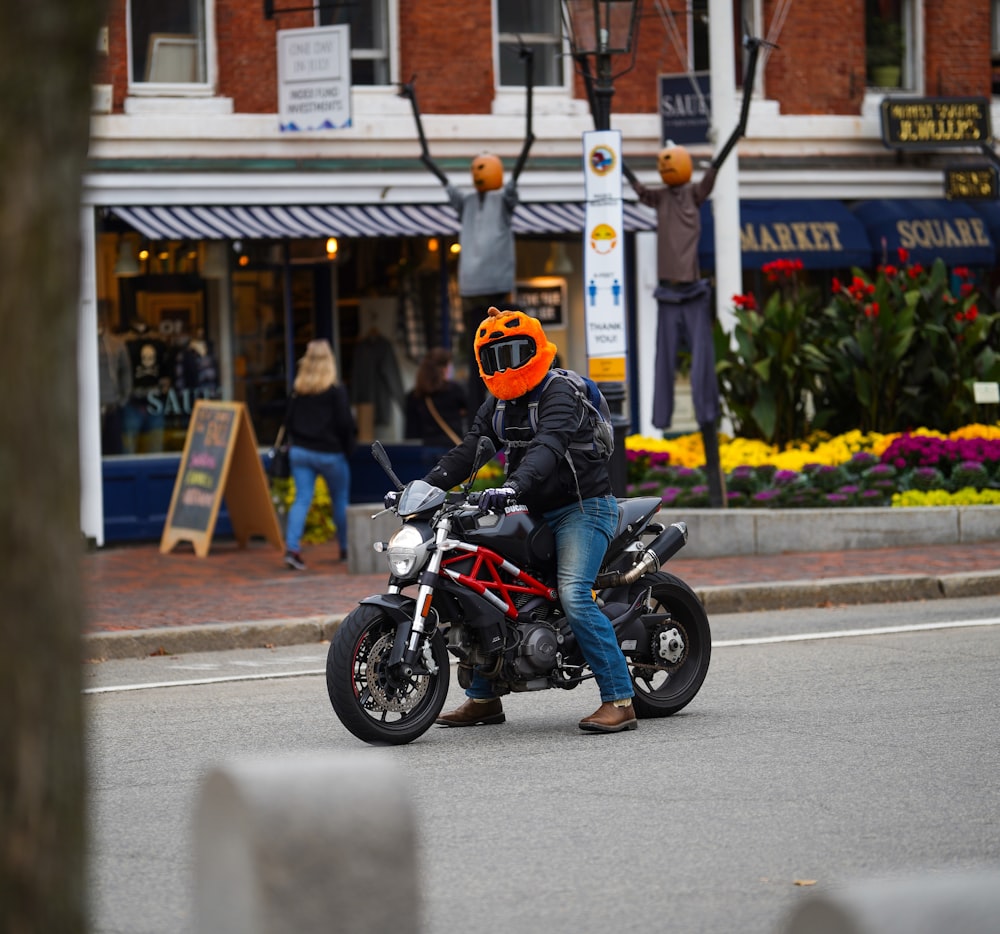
[(226, 222)]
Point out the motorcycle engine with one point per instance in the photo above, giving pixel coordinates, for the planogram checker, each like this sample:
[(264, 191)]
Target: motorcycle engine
[(536, 654)]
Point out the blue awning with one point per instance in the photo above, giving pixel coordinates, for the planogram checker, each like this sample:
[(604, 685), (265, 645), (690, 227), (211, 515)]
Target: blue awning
[(927, 229), (823, 234)]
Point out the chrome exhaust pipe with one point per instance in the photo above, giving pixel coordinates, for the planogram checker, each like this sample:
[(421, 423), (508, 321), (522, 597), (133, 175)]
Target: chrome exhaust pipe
[(657, 553)]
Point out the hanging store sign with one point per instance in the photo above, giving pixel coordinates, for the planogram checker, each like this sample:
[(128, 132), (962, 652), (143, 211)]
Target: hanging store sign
[(971, 183), (314, 78), (543, 297), (685, 107), (604, 256), (935, 122)]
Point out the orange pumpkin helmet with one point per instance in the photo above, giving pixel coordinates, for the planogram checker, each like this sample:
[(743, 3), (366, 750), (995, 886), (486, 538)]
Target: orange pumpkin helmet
[(512, 352), (674, 164), (487, 172)]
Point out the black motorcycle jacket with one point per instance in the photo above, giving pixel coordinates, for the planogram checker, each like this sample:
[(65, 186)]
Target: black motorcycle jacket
[(538, 469)]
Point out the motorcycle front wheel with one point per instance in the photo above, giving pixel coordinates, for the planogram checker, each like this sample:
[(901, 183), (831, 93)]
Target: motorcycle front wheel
[(672, 683), (376, 706)]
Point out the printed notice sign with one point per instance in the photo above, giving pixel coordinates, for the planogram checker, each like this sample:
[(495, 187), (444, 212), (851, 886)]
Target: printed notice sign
[(604, 255), (314, 78)]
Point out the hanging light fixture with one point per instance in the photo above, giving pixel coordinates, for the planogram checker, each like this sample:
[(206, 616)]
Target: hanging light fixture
[(332, 247), (126, 264), (558, 263)]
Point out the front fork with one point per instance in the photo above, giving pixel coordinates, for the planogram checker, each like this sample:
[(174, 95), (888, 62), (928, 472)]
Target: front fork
[(407, 648)]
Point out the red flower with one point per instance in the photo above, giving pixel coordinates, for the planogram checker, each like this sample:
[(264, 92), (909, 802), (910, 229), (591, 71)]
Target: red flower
[(835, 285), (962, 272), (889, 271), (966, 288), (781, 268), (871, 311), (904, 255), (745, 302), (915, 270), (971, 313)]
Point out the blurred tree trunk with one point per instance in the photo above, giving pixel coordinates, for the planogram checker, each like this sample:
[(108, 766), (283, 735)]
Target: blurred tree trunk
[(47, 50)]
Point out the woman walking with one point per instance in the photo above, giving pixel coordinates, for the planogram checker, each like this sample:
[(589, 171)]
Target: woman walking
[(322, 431)]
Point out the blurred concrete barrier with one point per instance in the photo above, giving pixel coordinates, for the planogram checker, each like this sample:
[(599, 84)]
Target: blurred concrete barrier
[(362, 530), (945, 903), (303, 845)]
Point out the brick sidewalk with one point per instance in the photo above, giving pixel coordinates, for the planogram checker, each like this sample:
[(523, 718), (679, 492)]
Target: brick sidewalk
[(136, 587)]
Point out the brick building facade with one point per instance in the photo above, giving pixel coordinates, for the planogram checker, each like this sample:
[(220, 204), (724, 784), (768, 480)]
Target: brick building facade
[(177, 164)]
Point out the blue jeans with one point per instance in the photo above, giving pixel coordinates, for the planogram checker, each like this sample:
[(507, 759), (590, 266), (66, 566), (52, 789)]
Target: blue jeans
[(336, 471), (582, 538)]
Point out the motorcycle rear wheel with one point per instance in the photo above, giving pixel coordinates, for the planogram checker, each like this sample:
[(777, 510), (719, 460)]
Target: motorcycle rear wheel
[(662, 692), (374, 706)]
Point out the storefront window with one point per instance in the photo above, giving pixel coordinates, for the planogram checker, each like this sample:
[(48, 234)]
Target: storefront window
[(156, 344), (167, 40)]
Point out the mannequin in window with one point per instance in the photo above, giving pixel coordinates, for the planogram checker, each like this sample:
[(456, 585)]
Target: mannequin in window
[(115, 376), (144, 414), (486, 268)]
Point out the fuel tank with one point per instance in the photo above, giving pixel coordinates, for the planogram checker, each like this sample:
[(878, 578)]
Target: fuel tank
[(522, 540)]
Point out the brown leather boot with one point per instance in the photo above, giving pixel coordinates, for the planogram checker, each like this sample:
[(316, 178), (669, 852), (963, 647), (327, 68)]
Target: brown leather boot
[(610, 719), (473, 713)]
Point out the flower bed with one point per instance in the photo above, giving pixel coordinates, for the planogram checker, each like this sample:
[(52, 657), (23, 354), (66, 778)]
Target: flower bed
[(919, 468)]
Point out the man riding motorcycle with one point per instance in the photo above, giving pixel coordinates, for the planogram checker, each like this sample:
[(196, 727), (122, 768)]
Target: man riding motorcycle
[(557, 475)]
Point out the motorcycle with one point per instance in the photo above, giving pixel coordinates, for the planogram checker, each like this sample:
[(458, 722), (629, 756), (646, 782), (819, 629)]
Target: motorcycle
[(485, 593)]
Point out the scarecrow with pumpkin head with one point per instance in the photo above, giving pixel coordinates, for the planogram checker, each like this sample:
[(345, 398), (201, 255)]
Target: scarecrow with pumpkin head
[(683, 297), (486, 267)]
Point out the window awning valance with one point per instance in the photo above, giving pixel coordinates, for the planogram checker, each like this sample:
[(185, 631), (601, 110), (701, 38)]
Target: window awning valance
[(227, 222)]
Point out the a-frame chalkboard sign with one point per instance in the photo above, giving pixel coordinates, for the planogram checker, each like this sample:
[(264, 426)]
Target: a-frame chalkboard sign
[(220, 459)]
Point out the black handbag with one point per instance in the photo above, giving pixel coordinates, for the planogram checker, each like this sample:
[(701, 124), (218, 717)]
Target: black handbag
[(276, 461)]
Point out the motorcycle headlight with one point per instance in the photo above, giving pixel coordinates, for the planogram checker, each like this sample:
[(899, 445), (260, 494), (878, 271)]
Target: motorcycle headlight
[(407, 550)]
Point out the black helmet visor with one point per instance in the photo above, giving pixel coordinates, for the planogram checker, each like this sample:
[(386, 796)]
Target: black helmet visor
[(507, 354)]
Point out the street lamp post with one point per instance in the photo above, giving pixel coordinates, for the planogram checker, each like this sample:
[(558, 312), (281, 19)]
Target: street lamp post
[(598, 30)]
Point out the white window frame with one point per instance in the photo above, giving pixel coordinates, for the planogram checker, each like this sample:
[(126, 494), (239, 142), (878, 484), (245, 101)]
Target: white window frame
[(204, 88), (552, 99), (391, 52), (912, 77)]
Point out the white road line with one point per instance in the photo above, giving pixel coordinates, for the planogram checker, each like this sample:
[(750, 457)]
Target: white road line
[(721, 644), (195, 682), (851, 633)]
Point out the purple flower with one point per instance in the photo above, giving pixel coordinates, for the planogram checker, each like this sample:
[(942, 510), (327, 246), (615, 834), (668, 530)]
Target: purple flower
[(766, 497), (784, 477), (836, 499)]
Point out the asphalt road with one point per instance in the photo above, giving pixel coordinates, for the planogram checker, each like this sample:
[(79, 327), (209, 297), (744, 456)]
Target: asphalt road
[(801, 766)]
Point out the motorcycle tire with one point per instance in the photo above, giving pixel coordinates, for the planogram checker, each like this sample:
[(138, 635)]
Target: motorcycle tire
[(664, 691), (375, 707)]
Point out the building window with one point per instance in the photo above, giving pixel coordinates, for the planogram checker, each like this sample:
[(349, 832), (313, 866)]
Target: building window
[(538, 25), (369, 22), (168, 42), (995, 45), (890, 43)]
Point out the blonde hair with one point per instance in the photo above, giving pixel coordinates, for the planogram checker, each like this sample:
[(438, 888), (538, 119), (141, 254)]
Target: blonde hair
[(317, 369)]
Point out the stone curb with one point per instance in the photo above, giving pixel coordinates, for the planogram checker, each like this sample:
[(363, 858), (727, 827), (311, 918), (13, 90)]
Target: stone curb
[(743, 598)]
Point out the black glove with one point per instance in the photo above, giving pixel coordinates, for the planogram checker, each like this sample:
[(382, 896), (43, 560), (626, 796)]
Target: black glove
[(495, 500), (391, 498)]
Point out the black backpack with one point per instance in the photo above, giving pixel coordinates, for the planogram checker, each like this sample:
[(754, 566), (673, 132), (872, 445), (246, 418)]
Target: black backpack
[(595, 409)]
